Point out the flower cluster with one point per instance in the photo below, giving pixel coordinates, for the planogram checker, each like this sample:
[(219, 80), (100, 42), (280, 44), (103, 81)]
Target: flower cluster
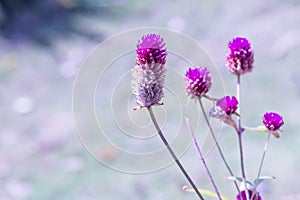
[(197, 81), (148, 82), (272, 121), (151, 49), (228, 104), (252, 195), (240, 56), (149, 72)]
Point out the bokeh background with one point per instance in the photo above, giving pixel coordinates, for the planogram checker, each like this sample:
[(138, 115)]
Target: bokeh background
[(43, 44)]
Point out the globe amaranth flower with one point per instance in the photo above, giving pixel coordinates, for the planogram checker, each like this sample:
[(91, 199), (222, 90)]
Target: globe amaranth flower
[(219, 113), (228, 104), (240, 56), (272, 121), (197, 81), (151, 48), (223, 110), (242, 195), (149, 71)]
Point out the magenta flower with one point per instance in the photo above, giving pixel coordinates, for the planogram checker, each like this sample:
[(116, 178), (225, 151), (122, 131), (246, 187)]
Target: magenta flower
[(197, 81), (272, 121), (240, 56), (149, 72), (242, 195), (228, 105), (151, 48)]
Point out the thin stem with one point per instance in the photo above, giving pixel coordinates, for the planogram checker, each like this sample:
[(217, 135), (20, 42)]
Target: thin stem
[(238, 97), (173, 154), (242, 160), (203, 160), (240, 131), (264, 155), (217, 143), (261, 162), (210, 98)]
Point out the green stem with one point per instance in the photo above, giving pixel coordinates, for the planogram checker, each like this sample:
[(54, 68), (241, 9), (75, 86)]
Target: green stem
[(217, 143), (262, 161), (173, 154), (240, 132), (203, 160), (242, 160), (264, 155)]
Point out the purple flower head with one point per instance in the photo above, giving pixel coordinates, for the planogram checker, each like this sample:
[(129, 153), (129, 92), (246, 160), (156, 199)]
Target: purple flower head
[(240, 56), (227, 104), (151, 48), (242, 195), (197, 81), (149, 72), (272, 121)]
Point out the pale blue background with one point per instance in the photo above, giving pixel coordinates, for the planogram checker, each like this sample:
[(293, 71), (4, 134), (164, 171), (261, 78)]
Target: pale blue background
[(42, 46)]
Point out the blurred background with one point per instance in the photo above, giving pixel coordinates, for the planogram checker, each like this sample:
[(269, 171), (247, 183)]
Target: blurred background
[(42, 45)]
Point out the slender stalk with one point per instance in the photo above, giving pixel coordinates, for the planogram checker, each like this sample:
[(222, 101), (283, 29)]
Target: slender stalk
[(242, 160), (173, 154), (217, 143), (203, 161), (240, 131), (262, 161), (264, 155), (238, 97)]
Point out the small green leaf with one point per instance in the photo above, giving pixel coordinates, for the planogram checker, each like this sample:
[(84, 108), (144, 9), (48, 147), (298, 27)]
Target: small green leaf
[(239, 179), (234, 178), (263, 129), (205, 192), (261, 179), (275, 133), (258, 128)]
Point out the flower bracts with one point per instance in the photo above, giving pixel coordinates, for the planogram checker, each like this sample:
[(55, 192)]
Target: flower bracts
[(149, 71)]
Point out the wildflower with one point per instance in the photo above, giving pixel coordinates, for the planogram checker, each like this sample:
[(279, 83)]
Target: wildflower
[(197, 81), (240, 56), (228, 105), (151, 49), (220, 114), (149, 71), (272, 121), (242, 195)]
